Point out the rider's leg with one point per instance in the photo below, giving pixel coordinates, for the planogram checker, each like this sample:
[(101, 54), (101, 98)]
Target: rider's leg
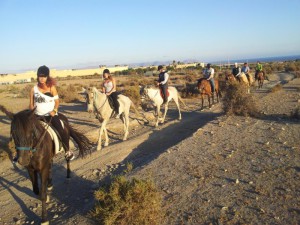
[(256, 72), (64, 136), (212, 83), (164, 89), (114, 97)]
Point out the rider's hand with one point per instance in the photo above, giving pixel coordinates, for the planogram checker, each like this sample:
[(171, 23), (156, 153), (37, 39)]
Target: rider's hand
[(52, 113), (157, 84)]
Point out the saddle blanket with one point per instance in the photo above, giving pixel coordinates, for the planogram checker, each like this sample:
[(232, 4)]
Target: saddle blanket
[(57, 142)]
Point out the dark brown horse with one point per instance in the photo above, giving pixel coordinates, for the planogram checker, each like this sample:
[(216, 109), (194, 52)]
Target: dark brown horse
[(205, 89), (36, 149), (260, 79)]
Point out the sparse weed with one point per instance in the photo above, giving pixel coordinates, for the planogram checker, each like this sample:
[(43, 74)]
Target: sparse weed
[(276, 88), (128, 202)]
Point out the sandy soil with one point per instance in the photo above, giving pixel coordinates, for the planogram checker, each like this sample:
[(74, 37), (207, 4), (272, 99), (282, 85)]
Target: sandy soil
[(211, 168)]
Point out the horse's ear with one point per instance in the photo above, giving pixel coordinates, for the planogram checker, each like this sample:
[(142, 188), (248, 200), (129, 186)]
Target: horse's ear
[(9, 114)]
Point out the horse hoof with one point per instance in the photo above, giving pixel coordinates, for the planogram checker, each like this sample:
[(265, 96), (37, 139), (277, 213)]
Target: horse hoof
[(105, 144), (98, 149)]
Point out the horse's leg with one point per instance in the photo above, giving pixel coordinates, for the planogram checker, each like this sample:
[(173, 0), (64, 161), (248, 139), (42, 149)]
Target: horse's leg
[(157, 114), (202, 98), (126, 125), (213, 97), (68, 169), (50, 185), (33, 177), (44, 181), (209, 103), (178, 107), (103, 125), (165, 112)]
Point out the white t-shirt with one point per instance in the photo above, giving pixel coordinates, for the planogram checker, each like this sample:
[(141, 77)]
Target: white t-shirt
[(44, 103)]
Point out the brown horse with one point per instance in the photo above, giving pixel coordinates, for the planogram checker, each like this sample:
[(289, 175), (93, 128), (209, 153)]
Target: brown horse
[(204, 88), (260, 79), (36, 149)]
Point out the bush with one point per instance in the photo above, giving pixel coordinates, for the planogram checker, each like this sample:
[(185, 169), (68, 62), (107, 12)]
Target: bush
[(238, 102), (133, 92), (190, 90), (128, 202), (24, 93), (276, 88), (68, 94), (295, 114)]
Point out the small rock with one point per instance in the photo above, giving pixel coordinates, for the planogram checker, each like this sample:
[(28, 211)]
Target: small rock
[(32, 222), (225, 170), (237, 181), (250, 182), (55, 216), (83, 176), (169, 151), (267, 143), (224, 208), (282, 128), (18, 222)]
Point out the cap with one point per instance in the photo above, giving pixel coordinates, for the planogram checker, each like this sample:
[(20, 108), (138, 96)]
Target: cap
[(208, 65), (160, 67), (43, 71), (106, 71)]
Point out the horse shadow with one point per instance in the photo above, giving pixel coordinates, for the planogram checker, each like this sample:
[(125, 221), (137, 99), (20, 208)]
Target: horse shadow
[(160, 140), (65, 203)]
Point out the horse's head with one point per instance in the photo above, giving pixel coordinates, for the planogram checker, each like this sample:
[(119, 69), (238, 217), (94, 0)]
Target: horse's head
[(89, 99), (24, 133), (143, 92)]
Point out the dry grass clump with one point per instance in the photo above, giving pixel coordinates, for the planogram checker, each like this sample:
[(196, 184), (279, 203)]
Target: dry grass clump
[(128, 202), (133, 92), (190, 90), (24, 93), (276, 88), (295, 114), (238, 102), (68, 94)]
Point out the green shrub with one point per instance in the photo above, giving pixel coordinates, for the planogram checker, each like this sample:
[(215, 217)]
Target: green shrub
[(238, 102), (125, 202)]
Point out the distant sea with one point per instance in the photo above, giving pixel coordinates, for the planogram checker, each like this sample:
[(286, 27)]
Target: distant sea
[(265, 59)]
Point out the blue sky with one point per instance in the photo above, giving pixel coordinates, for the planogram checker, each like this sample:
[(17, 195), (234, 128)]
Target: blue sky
[(80, 33)]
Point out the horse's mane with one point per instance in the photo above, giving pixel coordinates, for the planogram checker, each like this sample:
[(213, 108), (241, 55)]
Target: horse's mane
[(25, 128)]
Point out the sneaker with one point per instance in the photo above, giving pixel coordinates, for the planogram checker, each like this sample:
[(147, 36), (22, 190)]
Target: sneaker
[(69, 155)]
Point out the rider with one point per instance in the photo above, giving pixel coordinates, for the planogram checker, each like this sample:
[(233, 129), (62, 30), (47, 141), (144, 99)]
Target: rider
[(246, 71), (162, 82), (209, 75), (44, 99), (236, 71), (109, 88), (259, 68)]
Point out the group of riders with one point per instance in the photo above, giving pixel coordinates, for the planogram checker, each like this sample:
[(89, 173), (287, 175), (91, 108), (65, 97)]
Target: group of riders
[(44, 98), (208, 73)]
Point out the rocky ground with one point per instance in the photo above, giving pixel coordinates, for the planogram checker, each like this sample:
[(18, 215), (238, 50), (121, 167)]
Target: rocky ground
[(211, 168)]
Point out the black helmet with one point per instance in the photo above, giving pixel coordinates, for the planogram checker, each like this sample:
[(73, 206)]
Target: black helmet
[(208, 65), (43, 71), (106, 71)]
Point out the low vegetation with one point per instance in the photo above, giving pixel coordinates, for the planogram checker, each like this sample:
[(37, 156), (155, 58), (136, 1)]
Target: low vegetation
[(128, 202), (276, 88), (238, 102)]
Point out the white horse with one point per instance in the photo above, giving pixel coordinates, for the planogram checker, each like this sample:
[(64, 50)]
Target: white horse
[(245, 81), (154, 95), (98, 103)]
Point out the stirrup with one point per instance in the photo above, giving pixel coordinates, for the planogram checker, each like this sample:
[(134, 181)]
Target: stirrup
[(69, 155)]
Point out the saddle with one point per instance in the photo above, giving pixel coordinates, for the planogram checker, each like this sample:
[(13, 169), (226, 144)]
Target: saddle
[(161, 93), (55, 136)]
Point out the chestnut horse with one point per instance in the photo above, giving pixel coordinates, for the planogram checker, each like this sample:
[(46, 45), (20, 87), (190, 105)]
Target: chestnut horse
[(205, 89), (36, 149), (260, 79)]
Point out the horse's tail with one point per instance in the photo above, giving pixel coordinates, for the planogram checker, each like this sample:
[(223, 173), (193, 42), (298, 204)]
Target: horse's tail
[(137, 112), (84, 144), (181, 100)]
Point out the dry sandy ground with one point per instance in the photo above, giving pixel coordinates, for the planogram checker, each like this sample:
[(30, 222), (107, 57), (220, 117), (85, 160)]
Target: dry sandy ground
[(211, 168)]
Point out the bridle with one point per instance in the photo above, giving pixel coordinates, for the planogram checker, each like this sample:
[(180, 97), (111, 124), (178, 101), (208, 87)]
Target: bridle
[(33, 149)]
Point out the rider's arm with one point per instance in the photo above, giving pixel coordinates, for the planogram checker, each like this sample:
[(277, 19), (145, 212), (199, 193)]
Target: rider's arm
[(31, 103), (56, 100), (211, 74), (166, 79)]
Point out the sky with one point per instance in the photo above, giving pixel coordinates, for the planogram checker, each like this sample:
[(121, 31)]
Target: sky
[(82, 33)]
